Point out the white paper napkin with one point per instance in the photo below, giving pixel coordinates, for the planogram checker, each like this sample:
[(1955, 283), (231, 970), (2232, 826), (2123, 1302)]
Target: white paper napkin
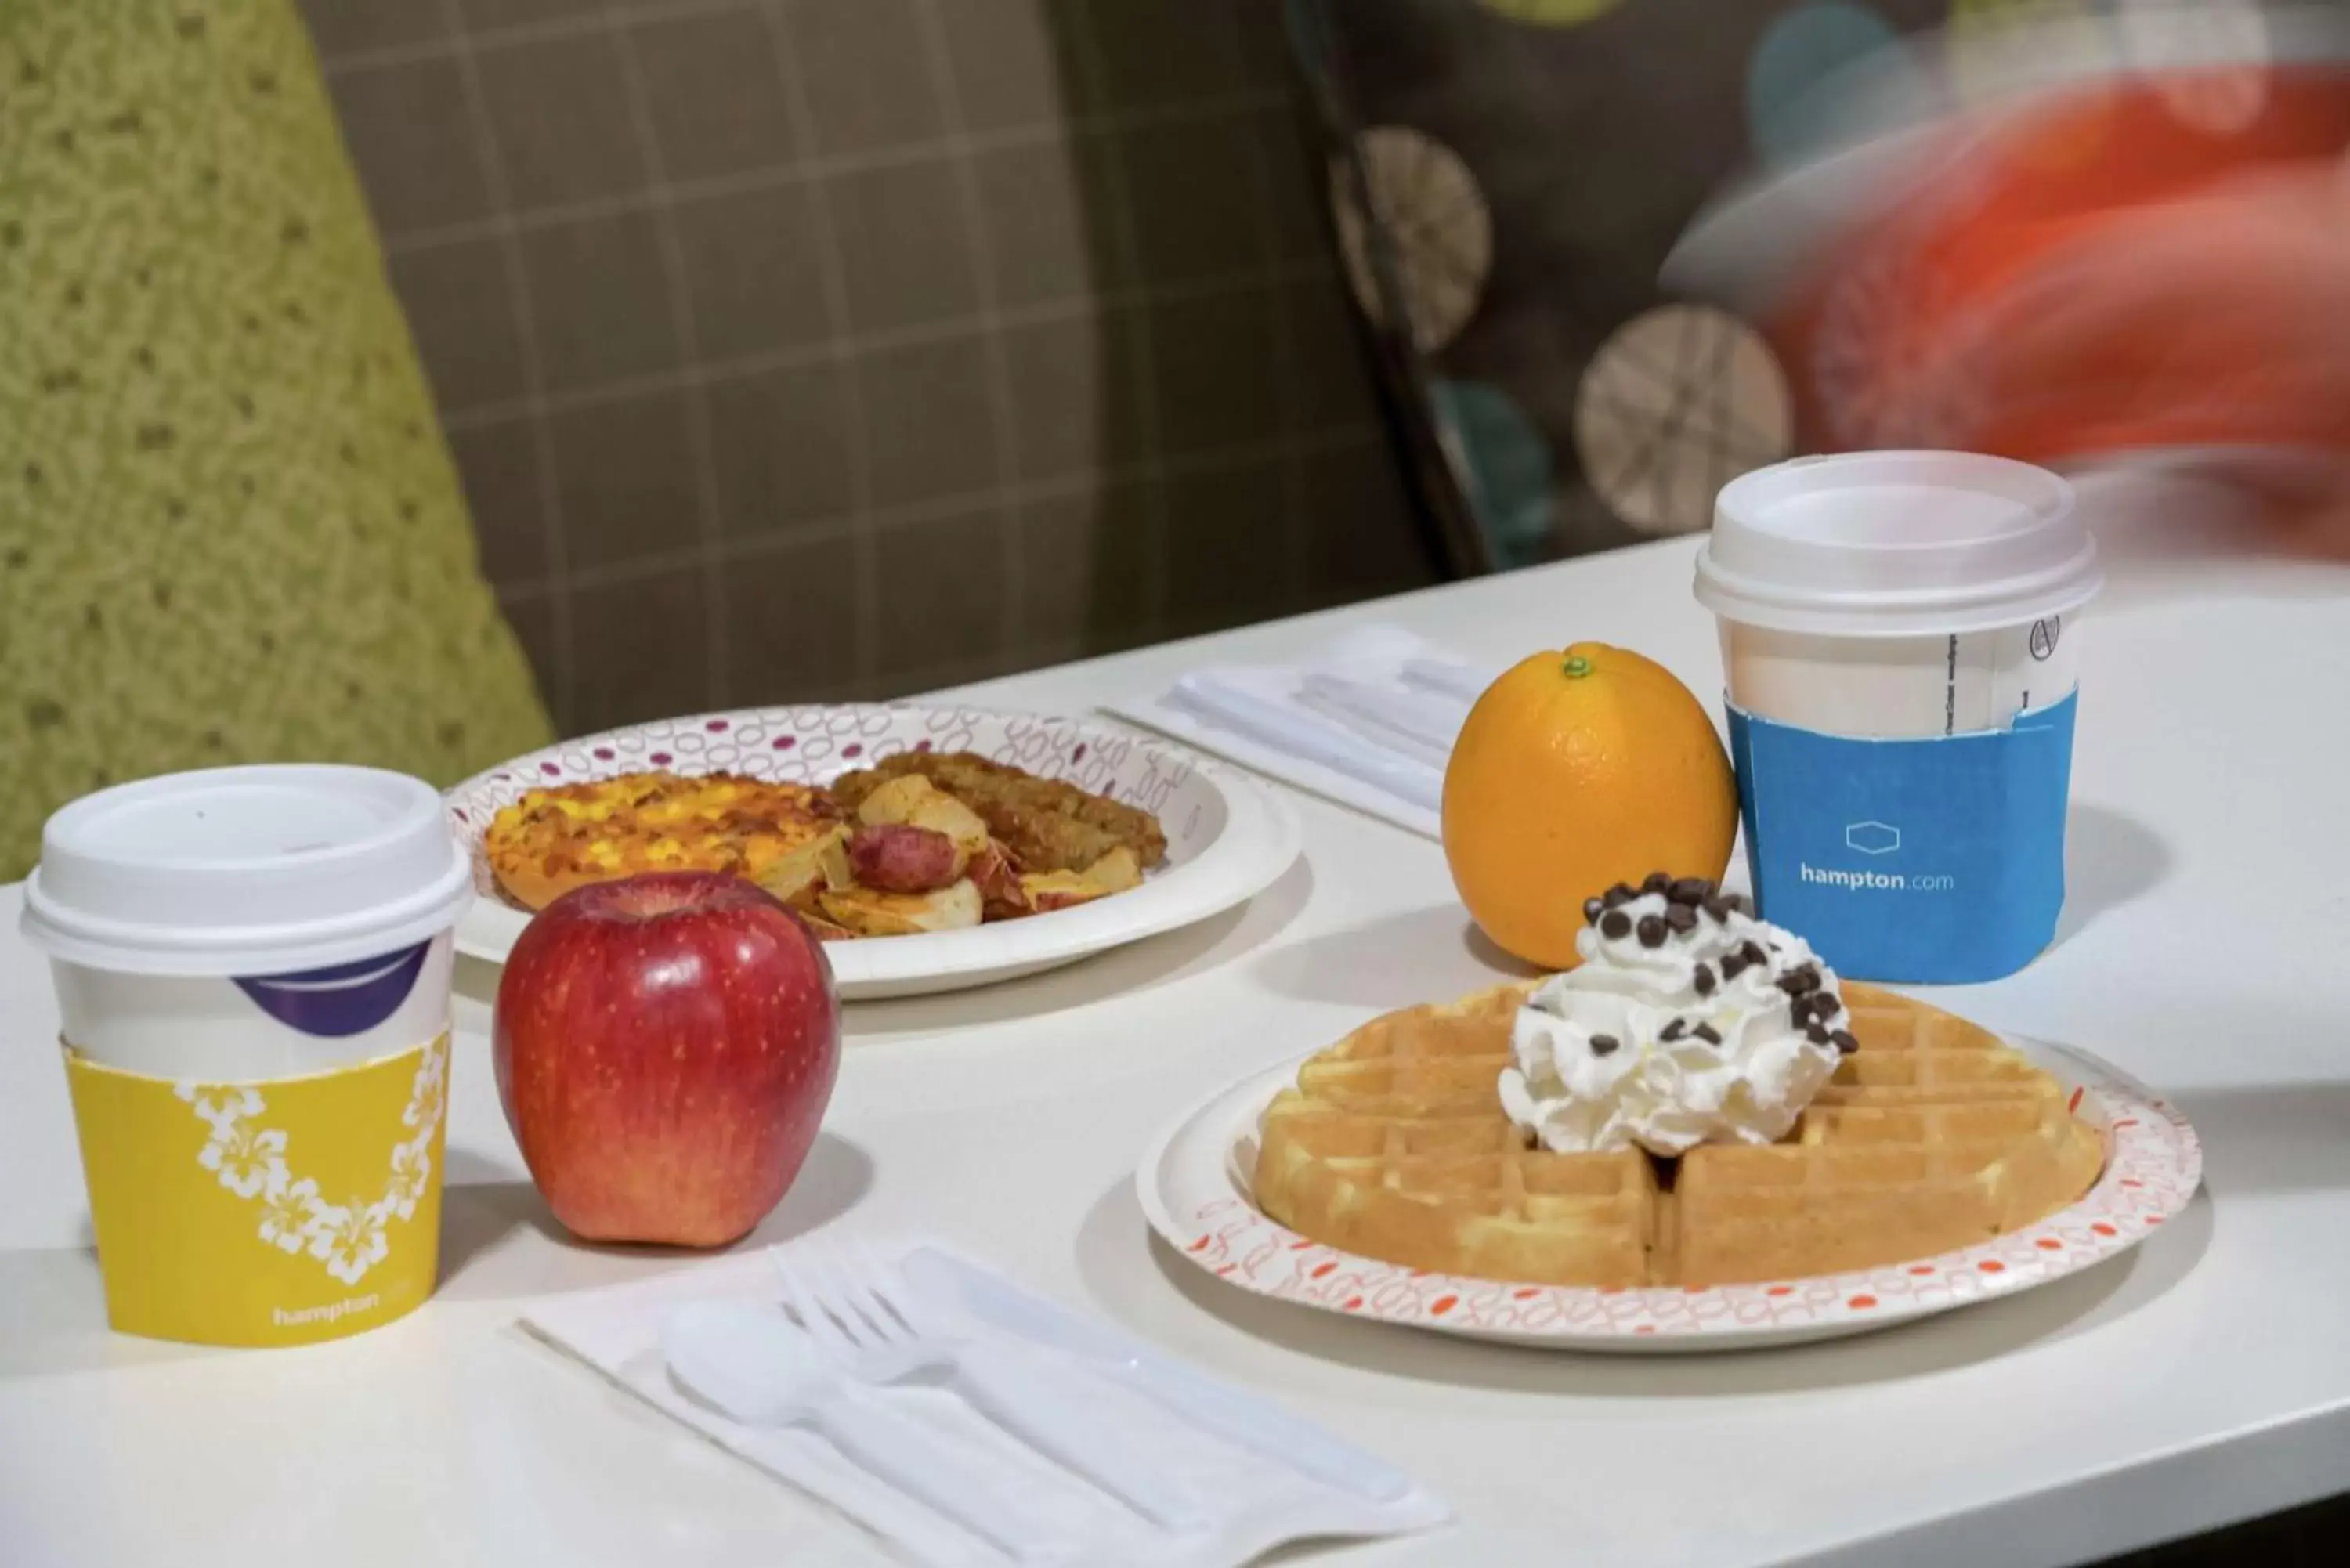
[(1368, 720), (1259, 1505)]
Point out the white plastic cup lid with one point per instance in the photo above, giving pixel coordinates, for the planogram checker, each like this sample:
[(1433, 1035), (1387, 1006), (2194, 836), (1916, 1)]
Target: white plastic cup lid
[(1895, 543), (245, 871)]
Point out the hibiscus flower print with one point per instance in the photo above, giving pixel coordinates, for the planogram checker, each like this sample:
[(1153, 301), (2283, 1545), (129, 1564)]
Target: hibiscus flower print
[(220, 1105), (249, 1161), (411, 1170), (285, 1209), (423, 1108), (349, 1238), (423, 1113)]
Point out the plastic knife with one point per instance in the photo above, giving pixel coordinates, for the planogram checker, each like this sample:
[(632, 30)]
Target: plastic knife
[(1244, 1419)]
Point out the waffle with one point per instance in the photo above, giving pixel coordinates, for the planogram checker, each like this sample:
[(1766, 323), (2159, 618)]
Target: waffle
[(1933, 1136)]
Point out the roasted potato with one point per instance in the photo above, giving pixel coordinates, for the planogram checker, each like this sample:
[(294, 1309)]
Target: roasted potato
[(1114, 873), (872, 913), (796, 878), (914, 802)]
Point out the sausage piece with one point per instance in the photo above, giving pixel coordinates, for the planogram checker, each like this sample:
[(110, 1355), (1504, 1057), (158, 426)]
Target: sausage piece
[(895, 857)]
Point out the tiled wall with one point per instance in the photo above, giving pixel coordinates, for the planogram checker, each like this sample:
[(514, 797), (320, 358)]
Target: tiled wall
[(832, 348)]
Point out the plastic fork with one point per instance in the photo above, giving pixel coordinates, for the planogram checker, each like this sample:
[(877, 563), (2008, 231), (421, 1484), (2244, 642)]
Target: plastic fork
[(751, 1365), (878, 1330)]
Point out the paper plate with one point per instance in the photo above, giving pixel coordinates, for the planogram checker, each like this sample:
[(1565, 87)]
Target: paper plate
[(1227, 838), (1195, 1188)]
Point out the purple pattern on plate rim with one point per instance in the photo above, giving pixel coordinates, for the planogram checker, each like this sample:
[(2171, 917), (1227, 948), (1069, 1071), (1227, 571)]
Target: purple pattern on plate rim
[(810, 744)]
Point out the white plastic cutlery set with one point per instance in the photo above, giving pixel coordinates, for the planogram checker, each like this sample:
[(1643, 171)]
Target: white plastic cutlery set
[(754, 1364), (1369, 719), (967, 1421)]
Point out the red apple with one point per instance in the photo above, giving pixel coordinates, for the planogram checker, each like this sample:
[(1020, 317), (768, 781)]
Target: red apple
[(665, 1045)]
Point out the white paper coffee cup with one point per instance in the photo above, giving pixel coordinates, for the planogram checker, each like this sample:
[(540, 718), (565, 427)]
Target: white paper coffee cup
[(1954, 684), (253, 976), (1897, 593), (1901, 678)]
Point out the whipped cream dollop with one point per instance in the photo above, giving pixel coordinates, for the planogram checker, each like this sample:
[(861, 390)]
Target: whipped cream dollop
[(1689, 1021)]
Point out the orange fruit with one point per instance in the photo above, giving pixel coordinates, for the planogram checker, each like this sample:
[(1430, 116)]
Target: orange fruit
[(1578, 770)]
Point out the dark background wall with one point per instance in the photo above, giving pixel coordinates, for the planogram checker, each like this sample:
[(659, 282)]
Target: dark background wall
[(824, 349)]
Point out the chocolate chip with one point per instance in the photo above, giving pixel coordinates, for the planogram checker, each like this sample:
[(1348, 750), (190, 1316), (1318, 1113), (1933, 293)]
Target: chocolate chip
[(1734, 966), (1656, 882), (1844, 1042), (1593, 908), (1652, 931), (1604, 1045), (1703, 980), (1718, 907), (1621, 893), (1816, 1035), (1824, 1005), (1681, 917), (1673, 1031), (1692, 890), (1614, 923), (1752, 952), (1799, 981), (1706, 1032)]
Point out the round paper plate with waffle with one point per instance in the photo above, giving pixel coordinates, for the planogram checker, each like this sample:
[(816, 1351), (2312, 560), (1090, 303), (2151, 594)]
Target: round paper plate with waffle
[(1226, 838), (1198, 1186)]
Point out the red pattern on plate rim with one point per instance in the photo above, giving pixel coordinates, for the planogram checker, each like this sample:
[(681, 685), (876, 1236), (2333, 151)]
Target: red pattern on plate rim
[(2153, 1169)]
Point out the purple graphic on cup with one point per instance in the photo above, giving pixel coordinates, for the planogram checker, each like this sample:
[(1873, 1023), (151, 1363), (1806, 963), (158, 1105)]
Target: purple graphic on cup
[(341, 1000)]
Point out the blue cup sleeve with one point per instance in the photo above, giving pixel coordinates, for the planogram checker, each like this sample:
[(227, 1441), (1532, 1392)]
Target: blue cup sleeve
[(1938, 860)]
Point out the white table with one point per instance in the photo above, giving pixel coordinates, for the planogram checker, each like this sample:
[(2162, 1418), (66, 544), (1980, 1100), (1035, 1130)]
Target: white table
[(2205, 1380)]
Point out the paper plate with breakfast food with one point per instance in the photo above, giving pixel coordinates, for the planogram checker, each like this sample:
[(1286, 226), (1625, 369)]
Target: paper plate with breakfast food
[(1698, 1138), (931, 847)]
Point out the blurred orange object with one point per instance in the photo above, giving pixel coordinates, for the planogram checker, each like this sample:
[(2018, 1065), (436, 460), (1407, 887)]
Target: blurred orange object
[(2082, 273), (1575, 771)]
